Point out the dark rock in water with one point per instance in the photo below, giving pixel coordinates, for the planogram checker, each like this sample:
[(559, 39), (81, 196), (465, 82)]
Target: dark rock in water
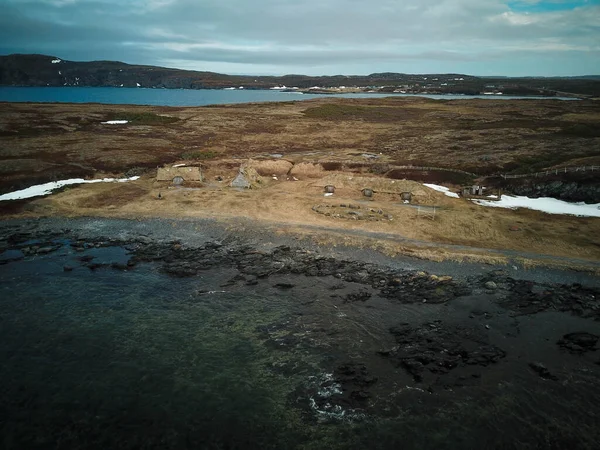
[(119, 266), (542, 371), (284, 285), (416, 287), (181, 269), (434, 349), (580, 342), (144, 239), (526, 297), (85, 258), (491, 285), (356, 373), (45, 250), (360, 395), (354, 380), (361, 296), (67, 268)]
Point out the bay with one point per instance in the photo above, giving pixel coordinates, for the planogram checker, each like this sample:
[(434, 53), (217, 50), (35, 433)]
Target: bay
[(190, 97), (108, 340)]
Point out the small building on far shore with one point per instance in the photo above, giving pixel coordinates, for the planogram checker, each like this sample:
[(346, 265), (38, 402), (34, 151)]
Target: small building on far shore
[(179, 175)]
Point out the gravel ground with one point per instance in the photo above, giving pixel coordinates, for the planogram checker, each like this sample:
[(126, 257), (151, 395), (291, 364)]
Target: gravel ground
[(194, 233)]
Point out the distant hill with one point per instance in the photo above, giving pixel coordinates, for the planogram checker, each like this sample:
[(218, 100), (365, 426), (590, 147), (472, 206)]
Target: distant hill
[(44, 70)]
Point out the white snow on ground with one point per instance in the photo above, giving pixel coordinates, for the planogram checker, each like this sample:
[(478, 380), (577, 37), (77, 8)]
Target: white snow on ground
[(545, 204), (180, 165), (56, 61), (443, 189), (116, 122), (138, 85), (47, 188)]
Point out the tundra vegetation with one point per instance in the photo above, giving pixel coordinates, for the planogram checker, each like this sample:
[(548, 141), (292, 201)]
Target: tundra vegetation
[(318, 142)]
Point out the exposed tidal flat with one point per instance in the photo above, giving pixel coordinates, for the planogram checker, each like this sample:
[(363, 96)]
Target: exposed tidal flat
[(188, 334)]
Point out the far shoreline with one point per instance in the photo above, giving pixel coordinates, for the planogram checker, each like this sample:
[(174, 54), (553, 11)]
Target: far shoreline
[(178, 97)]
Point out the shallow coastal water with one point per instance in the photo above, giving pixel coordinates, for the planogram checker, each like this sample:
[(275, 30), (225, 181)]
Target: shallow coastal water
[(131, 344), (185, 97)]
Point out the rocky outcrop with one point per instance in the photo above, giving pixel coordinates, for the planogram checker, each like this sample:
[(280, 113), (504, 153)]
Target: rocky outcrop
[(571, 191), (570, 186)]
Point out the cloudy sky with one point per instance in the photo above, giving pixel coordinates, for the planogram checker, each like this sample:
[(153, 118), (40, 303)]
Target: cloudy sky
[(480, 37)]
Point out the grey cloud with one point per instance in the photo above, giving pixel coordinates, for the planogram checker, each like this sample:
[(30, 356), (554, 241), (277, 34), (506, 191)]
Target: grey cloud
[(284, 32)]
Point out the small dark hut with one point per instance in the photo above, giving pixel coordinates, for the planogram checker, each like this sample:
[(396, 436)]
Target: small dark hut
[(367, 192), (329, 189), (406, 196)]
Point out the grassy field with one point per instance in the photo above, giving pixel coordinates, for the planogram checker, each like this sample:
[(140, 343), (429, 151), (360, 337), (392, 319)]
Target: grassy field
[(361, 139)]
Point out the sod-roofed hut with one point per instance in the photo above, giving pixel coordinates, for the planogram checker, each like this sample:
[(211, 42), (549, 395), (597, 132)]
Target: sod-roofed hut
[(247, 178), (179, 175)]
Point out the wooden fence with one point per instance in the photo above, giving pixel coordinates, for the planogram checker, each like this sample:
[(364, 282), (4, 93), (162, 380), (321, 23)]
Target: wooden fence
[(505, 176), (444, 169), (555, 172)]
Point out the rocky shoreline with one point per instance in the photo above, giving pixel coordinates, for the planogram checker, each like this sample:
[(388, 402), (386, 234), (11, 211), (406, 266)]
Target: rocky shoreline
[(384, 333)]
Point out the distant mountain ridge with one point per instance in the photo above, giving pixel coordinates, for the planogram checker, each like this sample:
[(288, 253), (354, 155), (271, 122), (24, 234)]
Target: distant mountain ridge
[(45, 70)]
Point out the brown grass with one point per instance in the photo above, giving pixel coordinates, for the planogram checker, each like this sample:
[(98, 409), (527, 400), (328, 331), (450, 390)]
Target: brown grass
[(480, 136), (307, 170), (53, 141), (289, 203), (271, 167)]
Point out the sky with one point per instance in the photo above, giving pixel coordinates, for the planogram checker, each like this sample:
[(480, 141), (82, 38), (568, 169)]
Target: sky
[(315, 37)]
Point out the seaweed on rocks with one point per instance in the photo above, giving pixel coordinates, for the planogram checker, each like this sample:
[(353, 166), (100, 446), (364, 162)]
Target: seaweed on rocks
[(578, 342), (526, 297), (407, 287), (431, 351), (417, 287)]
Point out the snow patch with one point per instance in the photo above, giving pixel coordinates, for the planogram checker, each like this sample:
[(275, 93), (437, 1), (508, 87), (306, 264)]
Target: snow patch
[(116, 122), (180, 165), (544, 204), (443, 189), (56, 61), (47, 188), (138, 84)]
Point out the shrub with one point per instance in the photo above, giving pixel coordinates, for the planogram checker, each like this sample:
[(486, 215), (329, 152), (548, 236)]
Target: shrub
[(198, 154)]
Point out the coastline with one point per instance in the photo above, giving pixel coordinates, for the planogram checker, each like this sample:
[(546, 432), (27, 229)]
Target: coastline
[(353, 339), (196, 232)]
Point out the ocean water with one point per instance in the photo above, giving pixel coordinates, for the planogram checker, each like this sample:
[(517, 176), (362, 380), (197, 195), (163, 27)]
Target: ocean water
[(182, 97), (135, 359)]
